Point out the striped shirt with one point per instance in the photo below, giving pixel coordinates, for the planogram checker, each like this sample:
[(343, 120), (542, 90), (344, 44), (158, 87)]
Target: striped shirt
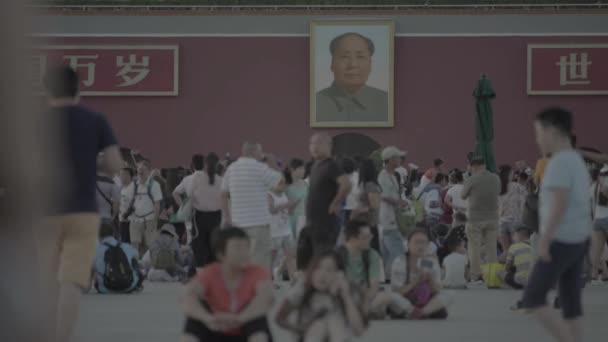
[(521, 255), (248, 182)]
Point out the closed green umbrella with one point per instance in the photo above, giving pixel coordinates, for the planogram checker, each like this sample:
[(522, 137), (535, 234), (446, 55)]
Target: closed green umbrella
[(484, 123)]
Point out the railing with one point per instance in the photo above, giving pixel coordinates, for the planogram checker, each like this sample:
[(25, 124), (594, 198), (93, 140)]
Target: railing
[(321, 5)]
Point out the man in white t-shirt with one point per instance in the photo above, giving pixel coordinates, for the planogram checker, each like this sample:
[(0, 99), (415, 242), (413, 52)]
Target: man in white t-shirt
[(145, 199), (244, 195)]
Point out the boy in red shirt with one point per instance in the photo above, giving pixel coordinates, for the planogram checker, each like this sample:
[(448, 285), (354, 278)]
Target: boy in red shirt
[(228, 300)]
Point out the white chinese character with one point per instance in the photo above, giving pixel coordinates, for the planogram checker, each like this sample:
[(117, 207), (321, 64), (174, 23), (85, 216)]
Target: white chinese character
[(37, 69), (90, 66), (571, 69), (140, 69)]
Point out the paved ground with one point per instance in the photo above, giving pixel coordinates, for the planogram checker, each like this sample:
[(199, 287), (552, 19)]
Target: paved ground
[(478, 315)]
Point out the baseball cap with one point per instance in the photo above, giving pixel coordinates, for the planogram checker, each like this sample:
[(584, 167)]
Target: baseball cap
[(392, 151)]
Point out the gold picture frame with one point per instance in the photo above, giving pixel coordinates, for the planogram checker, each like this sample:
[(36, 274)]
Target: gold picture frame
[(348, 86)]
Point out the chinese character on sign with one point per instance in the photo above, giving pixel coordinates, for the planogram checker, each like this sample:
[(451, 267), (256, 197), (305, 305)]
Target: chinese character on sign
[(37, 69), (138, 70), (90, 66), (573, 70)]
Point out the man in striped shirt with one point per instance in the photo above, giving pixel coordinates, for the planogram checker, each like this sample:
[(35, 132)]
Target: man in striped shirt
[(244, 198)]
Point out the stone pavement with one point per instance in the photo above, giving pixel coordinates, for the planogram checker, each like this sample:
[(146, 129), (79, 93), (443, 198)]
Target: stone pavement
[(478, 315)]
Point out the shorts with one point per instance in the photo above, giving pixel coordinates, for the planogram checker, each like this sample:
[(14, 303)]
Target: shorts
[(601, 225), (507, 227), (143, 232), (566, 269), (198, 330), (66, 247)]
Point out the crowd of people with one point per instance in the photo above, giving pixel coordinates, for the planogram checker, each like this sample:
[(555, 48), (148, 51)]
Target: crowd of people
[(350, 240)]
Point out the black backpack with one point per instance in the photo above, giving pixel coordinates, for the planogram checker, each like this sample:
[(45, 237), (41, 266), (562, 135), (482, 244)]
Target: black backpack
[(118, 273), (343, 252)]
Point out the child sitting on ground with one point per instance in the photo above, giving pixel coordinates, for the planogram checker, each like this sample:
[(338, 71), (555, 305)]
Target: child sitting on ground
[(455, 266), (519, 260)]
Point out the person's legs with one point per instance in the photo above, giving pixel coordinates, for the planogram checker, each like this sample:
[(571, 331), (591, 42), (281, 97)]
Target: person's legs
[(78, 249), (390, 301), (136, 231), (570, 291), (261, 244), (304, 251), (505, 238), (543, 278), (124, 231), (490, 239), (597, 248), (474, 238), (48, 244), (393, 248), (438, 303), (375, 243), (150, 233)]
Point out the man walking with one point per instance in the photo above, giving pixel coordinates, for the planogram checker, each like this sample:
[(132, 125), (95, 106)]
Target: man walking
[(481, 190), (328, 188), (391, 239), (245, 199), (565, 228), (145, 200), (66, 243)]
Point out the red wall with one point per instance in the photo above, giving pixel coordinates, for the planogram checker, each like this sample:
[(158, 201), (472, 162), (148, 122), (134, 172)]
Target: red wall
[(243, 88)]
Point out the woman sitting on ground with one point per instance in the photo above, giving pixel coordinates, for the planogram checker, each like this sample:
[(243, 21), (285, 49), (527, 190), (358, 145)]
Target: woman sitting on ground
[(418, 278), (325, 306)]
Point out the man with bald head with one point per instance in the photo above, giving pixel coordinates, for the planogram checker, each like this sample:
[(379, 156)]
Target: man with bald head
[(328, 188), (349, 98), (244, 198)]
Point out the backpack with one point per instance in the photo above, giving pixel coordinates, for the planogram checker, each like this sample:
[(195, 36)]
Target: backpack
[(118, 273), (343, 252), (165, 258), (131, 209)]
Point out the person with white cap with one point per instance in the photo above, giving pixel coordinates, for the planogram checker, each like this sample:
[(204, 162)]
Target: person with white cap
[(391, 239), (599, 191)]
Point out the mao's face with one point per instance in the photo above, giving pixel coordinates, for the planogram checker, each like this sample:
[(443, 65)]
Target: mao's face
[(351, 63)]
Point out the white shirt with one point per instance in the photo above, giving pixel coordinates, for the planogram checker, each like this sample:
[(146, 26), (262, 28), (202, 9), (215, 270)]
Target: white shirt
[(352, 198), (430, 197), (126, 196), (248, 182), (204, 196), (279, 222), (455, 266), (455, 193), (144, 205)]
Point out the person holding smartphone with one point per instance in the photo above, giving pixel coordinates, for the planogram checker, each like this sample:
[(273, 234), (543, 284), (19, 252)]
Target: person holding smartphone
[(418, 279)]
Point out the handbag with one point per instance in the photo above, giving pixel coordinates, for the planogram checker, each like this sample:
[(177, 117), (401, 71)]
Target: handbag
[(489, 273), (184, 213)]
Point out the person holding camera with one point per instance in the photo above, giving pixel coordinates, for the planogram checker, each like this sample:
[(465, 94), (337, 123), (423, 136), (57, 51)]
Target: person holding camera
[(418, 278)]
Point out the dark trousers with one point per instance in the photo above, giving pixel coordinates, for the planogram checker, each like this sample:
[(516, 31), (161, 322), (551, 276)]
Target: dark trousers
[(123, 232), (205, 223), (566, 270), (375, 243), (204, 334), (315, 239)]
